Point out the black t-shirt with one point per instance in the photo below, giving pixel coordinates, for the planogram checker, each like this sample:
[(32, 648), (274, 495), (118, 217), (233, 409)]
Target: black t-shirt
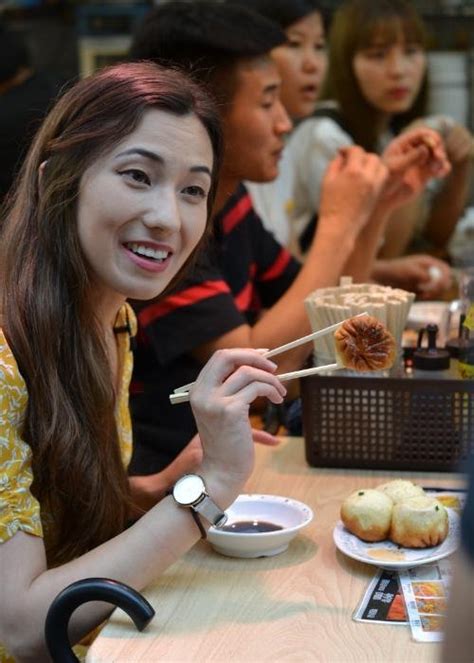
[(242, 272)]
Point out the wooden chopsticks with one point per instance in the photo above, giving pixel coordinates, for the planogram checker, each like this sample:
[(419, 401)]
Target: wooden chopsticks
[(181, 394)]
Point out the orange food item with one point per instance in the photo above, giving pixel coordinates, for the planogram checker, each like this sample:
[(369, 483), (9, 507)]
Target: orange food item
[(363, 343), (397, 611)]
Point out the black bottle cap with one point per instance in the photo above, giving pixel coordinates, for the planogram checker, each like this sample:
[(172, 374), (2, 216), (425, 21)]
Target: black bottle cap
[(452, 346), (457, 344), (430, 358)]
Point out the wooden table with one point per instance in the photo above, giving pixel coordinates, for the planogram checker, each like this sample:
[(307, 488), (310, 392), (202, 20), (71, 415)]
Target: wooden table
[(296, 606)]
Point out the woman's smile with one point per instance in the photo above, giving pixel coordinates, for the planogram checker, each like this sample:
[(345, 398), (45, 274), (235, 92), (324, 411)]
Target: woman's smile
[(148, 255)]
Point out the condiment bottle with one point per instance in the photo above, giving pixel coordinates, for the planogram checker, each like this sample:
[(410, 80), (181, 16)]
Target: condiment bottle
[(466, 346), (454, 344), (431, 361)]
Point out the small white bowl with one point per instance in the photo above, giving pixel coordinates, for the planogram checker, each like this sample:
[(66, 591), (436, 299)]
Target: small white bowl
[(288, 514)]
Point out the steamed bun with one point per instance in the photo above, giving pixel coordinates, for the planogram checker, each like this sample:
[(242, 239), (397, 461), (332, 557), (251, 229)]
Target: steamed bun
[(400, 489), (419, 522), (367, 513)]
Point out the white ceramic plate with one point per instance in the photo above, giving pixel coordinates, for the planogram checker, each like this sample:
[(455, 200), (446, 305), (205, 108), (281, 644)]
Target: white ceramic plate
[(389, 555), (285, 512)]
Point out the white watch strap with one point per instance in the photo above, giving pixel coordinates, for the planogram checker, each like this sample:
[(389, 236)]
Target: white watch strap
[(210, 512)]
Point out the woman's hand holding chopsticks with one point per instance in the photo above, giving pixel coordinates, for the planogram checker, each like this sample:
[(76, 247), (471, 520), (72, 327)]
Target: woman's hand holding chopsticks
[(181, 394), (227, 385)]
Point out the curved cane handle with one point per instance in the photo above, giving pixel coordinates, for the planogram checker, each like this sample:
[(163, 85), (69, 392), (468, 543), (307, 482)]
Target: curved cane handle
[(83, 591)]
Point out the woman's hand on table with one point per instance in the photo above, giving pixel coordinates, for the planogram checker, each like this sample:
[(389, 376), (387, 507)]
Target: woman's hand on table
[(429, 277), (230, 381)]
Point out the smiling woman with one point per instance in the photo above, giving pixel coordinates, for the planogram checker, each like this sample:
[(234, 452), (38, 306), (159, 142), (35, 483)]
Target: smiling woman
[(112, 202), (148, 198)]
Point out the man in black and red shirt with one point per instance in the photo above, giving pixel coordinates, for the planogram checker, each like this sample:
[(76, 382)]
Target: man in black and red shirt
[(245, 290), (243, 272)]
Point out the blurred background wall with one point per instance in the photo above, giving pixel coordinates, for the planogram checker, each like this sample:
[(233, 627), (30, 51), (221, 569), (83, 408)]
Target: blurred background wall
[(70, 38)]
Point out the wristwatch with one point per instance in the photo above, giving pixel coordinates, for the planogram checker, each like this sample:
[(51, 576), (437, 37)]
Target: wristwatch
[(190, 491)]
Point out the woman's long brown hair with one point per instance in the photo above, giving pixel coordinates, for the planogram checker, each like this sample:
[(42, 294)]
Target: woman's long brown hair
[(45, 304), (353, 29)]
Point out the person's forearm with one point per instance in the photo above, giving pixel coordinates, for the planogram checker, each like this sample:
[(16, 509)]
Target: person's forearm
[(146, 491), (448, 205), (288, 319), (135, 557), (400, 229), (361, 261), (381, 271)]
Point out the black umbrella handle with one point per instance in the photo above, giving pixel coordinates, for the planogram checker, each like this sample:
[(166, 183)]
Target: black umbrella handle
[(83, 591)]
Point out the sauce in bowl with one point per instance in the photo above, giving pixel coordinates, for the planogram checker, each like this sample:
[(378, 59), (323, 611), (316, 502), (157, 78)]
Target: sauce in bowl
[(250, 527)]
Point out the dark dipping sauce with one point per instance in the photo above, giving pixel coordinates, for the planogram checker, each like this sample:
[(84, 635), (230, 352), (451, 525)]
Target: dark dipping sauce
[(251, 527)]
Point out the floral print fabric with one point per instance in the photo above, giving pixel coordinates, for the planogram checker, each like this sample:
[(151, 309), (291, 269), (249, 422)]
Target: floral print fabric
[(19, 510)]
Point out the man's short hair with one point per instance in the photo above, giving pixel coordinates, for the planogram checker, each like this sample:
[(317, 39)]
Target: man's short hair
[(207, 39), (283, 12)]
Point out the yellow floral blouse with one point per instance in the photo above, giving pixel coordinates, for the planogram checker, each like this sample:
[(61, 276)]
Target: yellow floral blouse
[(19, 509)]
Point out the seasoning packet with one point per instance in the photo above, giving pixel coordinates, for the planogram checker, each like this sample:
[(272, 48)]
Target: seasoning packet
[(383, 601), (425, 590)]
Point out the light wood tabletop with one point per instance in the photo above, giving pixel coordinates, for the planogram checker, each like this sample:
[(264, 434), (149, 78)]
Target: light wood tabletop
[(296, 606)]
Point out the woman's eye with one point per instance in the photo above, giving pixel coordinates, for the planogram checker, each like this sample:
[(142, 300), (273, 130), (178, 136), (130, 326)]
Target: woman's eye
[(376, 55), (292, 43), (195, 191), (413, 50), (136, 175), (320, 47)]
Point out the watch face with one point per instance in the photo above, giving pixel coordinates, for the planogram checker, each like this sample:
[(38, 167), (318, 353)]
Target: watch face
[(188, 489)]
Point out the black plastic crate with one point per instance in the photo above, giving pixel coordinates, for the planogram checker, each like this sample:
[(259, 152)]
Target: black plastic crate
[(397, 423)]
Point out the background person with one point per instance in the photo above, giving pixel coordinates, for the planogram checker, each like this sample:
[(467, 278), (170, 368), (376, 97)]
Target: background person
[(113, 198), (375, 87), (246, 290), (25, 95), (302, 63)]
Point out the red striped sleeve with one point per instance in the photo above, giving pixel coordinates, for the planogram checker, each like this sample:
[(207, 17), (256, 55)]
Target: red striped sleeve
[(237, 214), (278, 267), (191, 295), (244, 298)]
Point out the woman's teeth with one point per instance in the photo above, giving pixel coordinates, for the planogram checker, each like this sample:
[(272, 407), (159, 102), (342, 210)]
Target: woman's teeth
[(148, 252)]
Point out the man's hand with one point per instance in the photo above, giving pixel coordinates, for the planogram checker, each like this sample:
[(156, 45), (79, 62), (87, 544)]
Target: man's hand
[(350, 191)]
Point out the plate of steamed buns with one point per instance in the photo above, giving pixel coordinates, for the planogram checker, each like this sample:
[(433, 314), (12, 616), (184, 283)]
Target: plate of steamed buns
[(396, 525)]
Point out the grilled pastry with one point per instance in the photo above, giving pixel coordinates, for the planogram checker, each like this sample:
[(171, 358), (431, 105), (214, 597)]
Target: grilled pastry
[(363, 343)]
